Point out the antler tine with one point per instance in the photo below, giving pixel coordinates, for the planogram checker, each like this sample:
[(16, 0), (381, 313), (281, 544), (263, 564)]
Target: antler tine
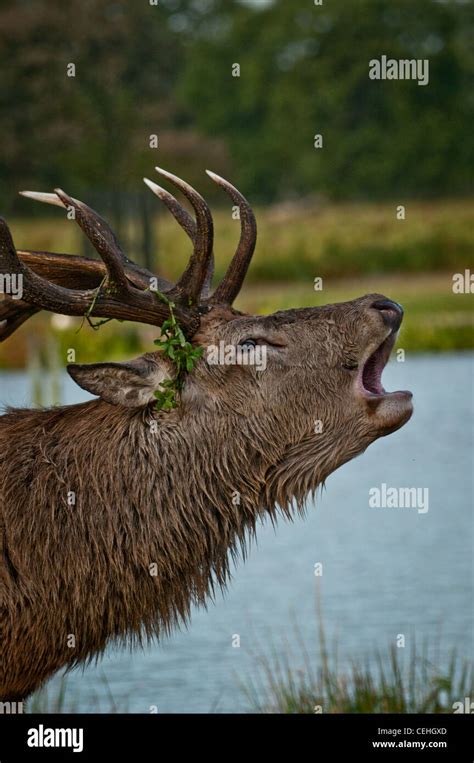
[(179, 213), (192, 281), (96, 229), (101, 237), (46, 198), (231, 284), (187, 223), (12, 314), (141, 306)]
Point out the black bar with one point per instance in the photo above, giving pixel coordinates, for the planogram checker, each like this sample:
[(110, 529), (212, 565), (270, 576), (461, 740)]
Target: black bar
[(324, 737)]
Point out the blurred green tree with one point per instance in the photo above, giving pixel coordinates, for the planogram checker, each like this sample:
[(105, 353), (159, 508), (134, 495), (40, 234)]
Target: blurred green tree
[(166, 69), (94, 129), (304, 71)]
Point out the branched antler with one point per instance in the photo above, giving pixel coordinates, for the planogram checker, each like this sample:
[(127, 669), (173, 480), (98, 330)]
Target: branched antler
[(116, 287)]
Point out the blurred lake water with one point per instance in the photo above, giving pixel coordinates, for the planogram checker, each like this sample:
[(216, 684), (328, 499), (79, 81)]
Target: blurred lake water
[(386, 571)]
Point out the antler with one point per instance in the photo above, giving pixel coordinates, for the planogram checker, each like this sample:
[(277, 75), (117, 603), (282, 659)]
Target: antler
[(187, 223), (116, 287), (231, 284)]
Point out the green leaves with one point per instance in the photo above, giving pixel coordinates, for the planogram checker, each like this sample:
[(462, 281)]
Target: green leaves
[(166, 399), (183, 355)]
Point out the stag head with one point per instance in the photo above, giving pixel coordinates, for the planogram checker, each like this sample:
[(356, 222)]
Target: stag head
[(315, 402)]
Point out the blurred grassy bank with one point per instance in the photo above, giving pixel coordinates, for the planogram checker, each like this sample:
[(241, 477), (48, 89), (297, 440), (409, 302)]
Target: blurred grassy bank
[(354, 248), (287, 678), (386, 681), (300, 240)]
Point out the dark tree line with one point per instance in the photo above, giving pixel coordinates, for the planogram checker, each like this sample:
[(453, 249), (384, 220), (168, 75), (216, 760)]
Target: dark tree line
[(167, 70)]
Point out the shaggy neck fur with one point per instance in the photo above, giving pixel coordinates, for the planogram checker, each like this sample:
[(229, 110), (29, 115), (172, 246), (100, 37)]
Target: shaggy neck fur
[(113, 526)]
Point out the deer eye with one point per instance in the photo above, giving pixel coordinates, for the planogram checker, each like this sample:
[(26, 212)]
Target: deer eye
[(248, 343)]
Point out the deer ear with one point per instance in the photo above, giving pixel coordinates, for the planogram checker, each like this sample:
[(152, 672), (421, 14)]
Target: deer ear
[(131, 384)]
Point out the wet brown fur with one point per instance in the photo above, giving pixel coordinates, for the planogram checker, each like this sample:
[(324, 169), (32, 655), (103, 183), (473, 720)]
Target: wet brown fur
[(163, 501)]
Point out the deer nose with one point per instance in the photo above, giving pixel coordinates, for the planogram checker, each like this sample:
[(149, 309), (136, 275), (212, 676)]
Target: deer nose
[(392, 312)]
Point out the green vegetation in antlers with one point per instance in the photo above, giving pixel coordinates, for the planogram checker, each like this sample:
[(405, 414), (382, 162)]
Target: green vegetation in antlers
[(183, 355)]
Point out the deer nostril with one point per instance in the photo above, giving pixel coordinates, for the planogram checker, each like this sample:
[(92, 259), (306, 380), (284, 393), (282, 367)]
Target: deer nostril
[(392, 312)]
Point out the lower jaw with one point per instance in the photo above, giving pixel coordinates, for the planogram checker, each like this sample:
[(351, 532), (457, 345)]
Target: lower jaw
[(390, 410), (401, 395)]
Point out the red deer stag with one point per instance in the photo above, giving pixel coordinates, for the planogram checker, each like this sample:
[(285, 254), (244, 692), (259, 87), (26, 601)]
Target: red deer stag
[(165, 499)]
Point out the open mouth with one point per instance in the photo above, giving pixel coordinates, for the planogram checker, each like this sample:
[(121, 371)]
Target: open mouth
[(370, 375), (388, 411)]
